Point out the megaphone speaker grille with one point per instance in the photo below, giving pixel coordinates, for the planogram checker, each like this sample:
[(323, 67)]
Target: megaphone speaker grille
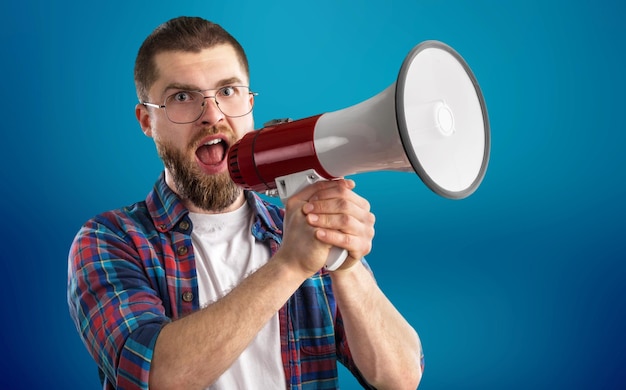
[(442, 120)]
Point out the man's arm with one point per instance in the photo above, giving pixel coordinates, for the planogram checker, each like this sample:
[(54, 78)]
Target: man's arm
[(191, 353), (384, 346)]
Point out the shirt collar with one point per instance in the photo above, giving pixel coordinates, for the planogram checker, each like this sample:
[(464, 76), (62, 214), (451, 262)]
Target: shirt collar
[(269, 218), (164, 206)]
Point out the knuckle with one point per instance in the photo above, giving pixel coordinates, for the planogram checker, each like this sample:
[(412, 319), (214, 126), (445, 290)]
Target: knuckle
[(343, 190), (344, 220), (290, 203), (319, 206), (343, 204), (320, 185)]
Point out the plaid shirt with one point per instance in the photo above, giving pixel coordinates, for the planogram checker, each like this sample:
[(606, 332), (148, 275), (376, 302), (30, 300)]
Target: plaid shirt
[(132, 271)]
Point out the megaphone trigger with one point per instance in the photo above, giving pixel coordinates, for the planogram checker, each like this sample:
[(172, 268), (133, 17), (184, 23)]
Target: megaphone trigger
[(288, 185)]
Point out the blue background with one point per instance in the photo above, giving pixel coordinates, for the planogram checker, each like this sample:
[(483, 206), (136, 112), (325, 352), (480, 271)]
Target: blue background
[(521, 285)]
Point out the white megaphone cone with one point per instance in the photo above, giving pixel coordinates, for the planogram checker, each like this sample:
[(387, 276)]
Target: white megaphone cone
[(431, 121)]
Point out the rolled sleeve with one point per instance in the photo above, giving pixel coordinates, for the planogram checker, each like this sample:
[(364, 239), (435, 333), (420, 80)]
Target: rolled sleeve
[(116, 310)]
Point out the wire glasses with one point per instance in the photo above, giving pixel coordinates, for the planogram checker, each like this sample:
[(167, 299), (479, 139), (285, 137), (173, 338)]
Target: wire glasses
[(188, 106)]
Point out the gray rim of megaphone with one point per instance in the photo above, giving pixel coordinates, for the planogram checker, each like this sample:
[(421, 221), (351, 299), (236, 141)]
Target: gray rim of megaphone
[(404, 134)]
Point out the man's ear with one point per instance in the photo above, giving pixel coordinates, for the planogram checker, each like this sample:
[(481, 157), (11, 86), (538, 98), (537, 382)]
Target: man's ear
[(143, 117)]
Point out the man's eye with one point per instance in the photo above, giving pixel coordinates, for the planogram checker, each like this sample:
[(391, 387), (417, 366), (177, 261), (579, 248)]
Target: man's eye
[(182, 97), (227, 91)]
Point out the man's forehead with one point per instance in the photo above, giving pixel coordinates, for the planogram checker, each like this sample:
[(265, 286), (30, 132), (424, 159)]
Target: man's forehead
[(208, 66)]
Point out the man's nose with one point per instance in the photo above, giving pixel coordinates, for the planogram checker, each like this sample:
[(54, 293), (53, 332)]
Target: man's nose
[(211, 114)]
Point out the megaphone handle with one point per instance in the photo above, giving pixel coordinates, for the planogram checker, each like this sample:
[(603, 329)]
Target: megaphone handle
[(335, 258), (290, 184)]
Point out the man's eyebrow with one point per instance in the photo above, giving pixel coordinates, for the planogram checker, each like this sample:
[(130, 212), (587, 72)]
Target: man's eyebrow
[(190, 87)]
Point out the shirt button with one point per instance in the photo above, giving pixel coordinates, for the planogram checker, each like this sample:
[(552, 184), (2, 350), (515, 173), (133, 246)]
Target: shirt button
[(182, 250), (187, 296), (184, 225)]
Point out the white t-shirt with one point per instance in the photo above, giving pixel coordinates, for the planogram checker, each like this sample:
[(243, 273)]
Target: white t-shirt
[(226, 253)]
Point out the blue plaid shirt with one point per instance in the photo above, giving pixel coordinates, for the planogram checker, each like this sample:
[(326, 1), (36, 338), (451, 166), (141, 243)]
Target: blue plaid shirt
[(132, 271)]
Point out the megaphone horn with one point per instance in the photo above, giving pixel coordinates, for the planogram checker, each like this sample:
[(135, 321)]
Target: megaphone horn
[(432, 121)]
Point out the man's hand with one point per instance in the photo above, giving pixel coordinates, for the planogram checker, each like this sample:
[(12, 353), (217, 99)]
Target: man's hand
[(322, 215)]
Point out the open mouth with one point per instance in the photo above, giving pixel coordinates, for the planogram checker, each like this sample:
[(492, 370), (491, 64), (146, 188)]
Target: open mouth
[(212, 152)]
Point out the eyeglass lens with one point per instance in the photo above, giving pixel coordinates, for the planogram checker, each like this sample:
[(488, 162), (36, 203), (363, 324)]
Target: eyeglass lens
[(188, 106)]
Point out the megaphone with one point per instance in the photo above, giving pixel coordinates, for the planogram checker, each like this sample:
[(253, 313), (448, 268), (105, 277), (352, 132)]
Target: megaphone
[(432, 121)]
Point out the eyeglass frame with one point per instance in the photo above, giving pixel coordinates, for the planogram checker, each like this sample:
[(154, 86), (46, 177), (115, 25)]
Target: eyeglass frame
[(214, 97)]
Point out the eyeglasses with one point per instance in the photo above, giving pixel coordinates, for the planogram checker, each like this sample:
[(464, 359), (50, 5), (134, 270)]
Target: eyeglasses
[(188, 106)]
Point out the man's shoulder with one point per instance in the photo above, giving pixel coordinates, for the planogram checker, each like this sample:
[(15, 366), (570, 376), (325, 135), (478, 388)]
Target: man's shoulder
[(158, 207), (120, 221)]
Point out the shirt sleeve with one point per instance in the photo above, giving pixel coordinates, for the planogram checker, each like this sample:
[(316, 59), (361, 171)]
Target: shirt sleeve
[(117, 312)]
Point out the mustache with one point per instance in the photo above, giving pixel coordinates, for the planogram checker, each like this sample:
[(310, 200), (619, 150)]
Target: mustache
[(228, 133)]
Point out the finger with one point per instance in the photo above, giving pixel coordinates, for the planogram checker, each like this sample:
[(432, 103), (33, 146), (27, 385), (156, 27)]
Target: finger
[(339, 214), (330, 188), (357, 246), (308, 191), (345, 223), (336, 200)]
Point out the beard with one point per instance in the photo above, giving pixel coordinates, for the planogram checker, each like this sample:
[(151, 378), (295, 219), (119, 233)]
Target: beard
[(208, 192)]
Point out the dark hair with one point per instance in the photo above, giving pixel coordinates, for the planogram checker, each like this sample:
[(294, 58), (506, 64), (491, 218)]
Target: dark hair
[(190, 34)]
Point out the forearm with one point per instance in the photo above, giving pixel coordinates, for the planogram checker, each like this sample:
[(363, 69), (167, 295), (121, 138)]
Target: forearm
[(384, 346), (194, 351)]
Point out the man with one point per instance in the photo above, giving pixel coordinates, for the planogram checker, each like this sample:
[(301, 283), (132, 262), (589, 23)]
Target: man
[(203, 285)]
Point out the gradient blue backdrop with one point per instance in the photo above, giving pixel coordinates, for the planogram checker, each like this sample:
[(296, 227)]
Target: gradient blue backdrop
[(520, 286)]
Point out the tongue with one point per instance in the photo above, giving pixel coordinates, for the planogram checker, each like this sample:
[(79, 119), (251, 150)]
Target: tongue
[(210, 154)]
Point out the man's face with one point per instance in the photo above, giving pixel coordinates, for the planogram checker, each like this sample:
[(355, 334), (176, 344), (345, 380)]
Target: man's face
[(194, 154)]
